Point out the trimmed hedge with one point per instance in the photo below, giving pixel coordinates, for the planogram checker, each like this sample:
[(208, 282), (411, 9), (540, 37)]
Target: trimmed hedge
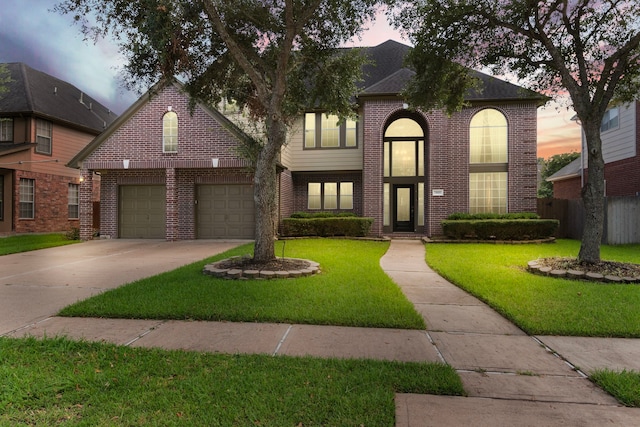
[(500, 229), (516, 215), (351, 226)]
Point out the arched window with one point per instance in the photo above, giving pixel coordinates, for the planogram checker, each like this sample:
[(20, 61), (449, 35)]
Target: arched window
[(488, 156), (170, 132)]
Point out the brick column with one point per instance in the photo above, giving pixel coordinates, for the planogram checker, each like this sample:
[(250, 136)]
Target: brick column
[(86, 204), (171, 206)]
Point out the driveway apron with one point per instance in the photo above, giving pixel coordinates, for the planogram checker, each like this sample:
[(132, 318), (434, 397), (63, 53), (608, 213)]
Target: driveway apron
[(36, 285)]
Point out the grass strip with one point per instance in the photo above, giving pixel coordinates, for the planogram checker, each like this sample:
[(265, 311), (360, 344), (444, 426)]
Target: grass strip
[(352, 290), (623, 385), (32, 242), (63, 382), (541, 305)]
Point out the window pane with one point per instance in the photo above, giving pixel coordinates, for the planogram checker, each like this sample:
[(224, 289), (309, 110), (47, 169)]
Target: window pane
[(6, 129), (170, 132), (403, 158), (386, 159), (330, 195), (43, 136), (313, 196), (420, 158), (387, 204), (404, 128), (310, 130), (610, 120), (330, 135), (27, 187), (488, 137), (350, 134), (346, 195), (421, 203), (74, 211), (488, 192)]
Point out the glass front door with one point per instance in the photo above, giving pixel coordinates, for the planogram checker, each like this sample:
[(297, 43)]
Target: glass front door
[(403, 219)]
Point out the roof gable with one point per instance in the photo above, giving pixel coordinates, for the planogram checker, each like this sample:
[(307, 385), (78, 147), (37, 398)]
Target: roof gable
[(36, 93), (387, 74), (124, 119)]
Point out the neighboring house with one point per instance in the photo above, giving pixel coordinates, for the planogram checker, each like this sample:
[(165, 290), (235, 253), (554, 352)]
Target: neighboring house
[(44, 122), (169, 172), (620, 133)]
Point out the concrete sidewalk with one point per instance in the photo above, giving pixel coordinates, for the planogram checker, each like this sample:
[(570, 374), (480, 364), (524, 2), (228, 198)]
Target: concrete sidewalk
[(511, 378)]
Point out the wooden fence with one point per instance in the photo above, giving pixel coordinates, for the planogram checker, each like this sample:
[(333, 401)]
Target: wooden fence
[(622, 218)]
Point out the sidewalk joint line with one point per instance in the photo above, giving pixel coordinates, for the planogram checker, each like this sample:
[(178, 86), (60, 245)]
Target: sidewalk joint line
[(550, 350), (435, 347), (284, 337), (148, 331)]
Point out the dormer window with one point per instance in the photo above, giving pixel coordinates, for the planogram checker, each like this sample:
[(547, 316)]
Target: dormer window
[(170, 132)]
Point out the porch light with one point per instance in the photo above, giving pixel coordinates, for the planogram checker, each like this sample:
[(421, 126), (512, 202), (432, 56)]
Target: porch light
[(214, 162), (125, 163)]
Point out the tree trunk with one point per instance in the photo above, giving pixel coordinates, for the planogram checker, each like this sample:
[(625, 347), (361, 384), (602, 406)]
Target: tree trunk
[(593, 196), (265, 192)]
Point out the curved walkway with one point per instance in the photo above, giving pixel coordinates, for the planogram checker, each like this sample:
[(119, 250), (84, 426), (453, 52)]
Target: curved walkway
[(511, 378)]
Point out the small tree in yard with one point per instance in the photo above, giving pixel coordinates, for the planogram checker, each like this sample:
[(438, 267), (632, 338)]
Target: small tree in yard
[(585, 48), (550, 166), (275, 58)]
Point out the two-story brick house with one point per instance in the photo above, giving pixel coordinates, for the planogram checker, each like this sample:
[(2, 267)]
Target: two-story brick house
[(44, 122), (620, 134), (168, 173)]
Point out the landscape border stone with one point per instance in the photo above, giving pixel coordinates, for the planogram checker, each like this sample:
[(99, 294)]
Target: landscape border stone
[(235, 273), (535, 268)]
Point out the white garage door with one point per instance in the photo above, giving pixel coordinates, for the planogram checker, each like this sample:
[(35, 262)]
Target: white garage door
[(142, 211), (225, 212)]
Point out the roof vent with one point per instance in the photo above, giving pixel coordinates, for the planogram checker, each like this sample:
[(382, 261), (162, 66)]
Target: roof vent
[(55, 90)]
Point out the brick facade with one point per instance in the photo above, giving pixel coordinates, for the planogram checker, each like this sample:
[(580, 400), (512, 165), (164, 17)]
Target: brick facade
[(203, 137), (51, 203)]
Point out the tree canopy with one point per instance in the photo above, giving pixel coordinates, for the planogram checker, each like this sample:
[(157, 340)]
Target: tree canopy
[(586, 49), (274, 57)]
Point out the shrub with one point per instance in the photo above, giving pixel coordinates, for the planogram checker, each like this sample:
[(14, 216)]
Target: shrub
[(516, 215), (500, 229), (326, 226), (322, 215)]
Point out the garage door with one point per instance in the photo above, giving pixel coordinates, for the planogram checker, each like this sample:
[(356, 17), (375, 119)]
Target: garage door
[(142, 211), (225, 212)]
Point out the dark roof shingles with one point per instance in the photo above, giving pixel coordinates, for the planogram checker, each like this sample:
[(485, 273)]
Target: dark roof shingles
[(34, 92)]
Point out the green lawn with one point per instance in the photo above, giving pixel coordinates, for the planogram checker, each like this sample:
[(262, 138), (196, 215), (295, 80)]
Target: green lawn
[(32, 242), (352, 290), (60, 382), (541, 305)]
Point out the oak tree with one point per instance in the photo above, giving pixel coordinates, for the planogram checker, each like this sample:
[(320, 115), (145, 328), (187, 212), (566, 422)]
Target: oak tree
[(586, 49), (275, 58)]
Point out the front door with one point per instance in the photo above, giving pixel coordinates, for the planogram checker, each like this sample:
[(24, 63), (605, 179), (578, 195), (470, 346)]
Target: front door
[(403, 217)]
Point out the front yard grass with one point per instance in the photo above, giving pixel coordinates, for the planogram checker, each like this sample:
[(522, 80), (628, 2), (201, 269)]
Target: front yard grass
[(352, 290), (61, 382), (32, 242), (542, 305)]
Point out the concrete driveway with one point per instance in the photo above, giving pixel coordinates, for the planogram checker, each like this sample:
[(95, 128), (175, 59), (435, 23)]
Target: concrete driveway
[(36, 285)]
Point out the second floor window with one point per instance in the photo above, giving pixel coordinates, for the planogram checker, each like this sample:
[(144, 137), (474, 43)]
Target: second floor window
[(325, 131), (44, 130), (170, 132), (611, 120), (6, 129)]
